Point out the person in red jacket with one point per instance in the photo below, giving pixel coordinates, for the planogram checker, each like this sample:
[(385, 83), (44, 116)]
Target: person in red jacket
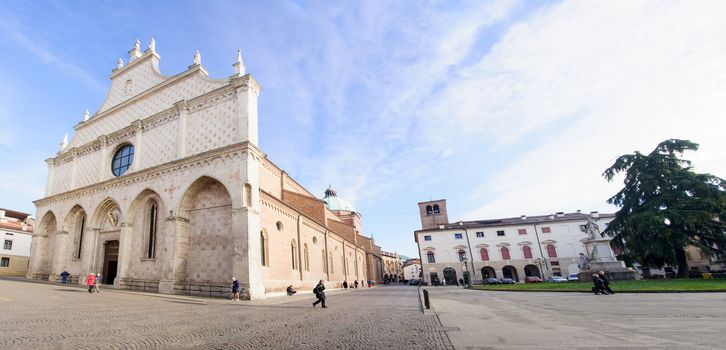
[(91, 282)]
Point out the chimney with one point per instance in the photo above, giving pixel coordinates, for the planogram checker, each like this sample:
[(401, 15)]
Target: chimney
[(560, 214), (524, 217), (594, 214)]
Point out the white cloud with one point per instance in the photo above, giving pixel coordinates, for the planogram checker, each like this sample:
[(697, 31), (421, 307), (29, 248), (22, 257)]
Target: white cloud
[(582, 83)]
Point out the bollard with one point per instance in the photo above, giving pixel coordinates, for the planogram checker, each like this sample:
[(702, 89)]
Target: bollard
[(426, 299)]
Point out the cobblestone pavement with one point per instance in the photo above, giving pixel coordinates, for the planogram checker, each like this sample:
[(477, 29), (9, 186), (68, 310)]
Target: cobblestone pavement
[(521, 320), (47, 316)]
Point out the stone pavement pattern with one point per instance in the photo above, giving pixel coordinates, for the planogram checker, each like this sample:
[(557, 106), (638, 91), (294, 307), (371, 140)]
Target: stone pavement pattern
[(44, 316), (520, 320)]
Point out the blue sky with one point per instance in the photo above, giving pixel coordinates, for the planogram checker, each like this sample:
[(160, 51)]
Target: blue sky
[(503, 108)]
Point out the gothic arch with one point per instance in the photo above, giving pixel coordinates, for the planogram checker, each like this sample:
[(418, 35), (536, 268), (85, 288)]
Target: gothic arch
[(145, 217), (43, 245), (107, 215), (204, 220), (76, 224)]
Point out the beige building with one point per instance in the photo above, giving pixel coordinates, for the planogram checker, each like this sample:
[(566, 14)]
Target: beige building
[(165, 187), (391, 267), (16, 229)]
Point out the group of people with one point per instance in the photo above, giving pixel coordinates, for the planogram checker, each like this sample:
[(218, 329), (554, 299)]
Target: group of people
[(92, 281), (601, 284), (354, 285)]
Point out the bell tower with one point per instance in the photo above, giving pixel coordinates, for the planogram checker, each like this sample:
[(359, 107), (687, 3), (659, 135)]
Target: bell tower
[(433, 213)]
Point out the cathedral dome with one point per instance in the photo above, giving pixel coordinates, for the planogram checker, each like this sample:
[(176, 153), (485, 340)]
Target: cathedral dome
[(334, 203)]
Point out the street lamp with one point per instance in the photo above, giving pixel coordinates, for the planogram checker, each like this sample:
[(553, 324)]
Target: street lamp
[(467, 278), (539, 262)]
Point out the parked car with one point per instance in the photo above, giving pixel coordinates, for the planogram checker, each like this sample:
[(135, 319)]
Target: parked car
[(506, 281), (413, 282), (532, 279), (557, 279), (573, 277), (491, 280)]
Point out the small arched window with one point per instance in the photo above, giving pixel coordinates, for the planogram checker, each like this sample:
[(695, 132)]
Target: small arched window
[(248, 195), (430, 256), (484, 254), (324, 261), (151, 226), (527, 252), (505, 253), (306, 257), (293, 254), (263, 248), (122, 160), (436, 209), (551, 251), (81, 227), (429, 210)]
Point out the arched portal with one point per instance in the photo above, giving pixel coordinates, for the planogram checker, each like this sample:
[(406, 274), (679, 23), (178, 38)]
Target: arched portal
[(107, 220), (531, 270), (450, 276), (42, 256), (488, 272), (207, 207), (510, 272)]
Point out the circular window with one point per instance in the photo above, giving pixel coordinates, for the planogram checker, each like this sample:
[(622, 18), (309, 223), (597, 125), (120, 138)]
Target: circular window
[(122, 160)]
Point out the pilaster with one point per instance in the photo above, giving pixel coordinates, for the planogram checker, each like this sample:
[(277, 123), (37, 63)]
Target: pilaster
[(124, 252)]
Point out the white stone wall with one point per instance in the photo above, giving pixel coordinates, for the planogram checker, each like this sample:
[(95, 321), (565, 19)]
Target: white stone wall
[(566, 236)]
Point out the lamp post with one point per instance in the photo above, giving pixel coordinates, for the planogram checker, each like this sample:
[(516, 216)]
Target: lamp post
[(467, 278), (539, 262)]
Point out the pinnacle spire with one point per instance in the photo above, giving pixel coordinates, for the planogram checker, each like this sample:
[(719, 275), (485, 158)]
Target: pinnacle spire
[(136, 51), (86, 116), (239, 66), (152, 44), (64, 144), (119, 63)]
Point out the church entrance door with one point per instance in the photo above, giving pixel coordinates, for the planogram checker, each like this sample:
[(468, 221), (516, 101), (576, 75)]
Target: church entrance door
[(110, 261)]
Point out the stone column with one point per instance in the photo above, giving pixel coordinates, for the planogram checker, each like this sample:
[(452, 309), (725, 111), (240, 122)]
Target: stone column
[(174, 266), (246, 228), (183, 111), (60, 255), (124, 252)]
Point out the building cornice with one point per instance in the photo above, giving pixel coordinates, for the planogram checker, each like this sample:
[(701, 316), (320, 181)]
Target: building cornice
[(198, 160)]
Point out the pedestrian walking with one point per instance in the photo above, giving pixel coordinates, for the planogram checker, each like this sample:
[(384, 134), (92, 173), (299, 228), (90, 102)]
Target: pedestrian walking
[(64, 277), (91, 282), (355, 284), (235, 289), (99, 280), (319, 291), (605, 283)]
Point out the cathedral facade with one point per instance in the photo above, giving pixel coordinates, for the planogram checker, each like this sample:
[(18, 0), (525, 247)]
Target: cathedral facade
[(165, 186)]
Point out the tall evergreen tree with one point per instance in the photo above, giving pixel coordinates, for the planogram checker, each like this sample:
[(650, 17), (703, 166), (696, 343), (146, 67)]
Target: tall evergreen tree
[(666, 206)]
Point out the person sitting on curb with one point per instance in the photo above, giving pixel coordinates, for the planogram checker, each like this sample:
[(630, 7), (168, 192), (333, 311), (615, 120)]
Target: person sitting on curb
[(290, 291)]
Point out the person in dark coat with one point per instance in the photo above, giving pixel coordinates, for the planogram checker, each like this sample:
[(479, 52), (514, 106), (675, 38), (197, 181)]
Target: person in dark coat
[(605, 283), (355, 284), (290, 290), (320, 294), (345, 284), (597, 284), (64, 277), (235, 289)]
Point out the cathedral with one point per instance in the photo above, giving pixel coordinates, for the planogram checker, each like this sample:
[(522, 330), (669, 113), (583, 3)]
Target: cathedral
[(166, 188)]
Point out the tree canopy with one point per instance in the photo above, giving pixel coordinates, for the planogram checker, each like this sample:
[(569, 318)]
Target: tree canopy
[(666, 206)]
